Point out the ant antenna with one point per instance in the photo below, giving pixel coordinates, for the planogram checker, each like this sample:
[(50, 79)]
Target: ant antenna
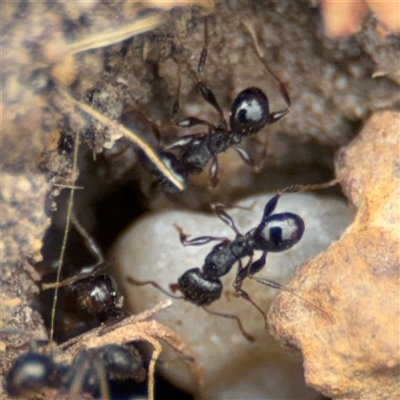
[(175, 107), (86, 272), (204, 51), (152, 283), (205, 91), (276, 285), (81, 276), (282, 87), (89, 241)]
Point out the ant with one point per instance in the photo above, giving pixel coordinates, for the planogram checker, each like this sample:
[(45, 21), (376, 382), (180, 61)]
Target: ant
[(89, 372), (202, 286), (249, 114), (96, 293)]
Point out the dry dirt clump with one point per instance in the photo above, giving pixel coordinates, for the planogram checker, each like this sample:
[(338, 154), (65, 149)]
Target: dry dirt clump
[(357, 356)]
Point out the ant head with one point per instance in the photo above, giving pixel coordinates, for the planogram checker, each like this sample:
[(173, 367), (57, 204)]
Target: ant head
[(249, 111), (98, 295), (197, 289), (279, 232), (30, 372)]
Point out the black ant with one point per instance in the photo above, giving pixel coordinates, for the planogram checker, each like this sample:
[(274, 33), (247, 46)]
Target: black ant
[(249, 115), (89, 372), (275, 233), (97, 293)]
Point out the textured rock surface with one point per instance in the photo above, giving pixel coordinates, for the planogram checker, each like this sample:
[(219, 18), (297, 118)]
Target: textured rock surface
[(234, 367), (23, 223), (357, 356)]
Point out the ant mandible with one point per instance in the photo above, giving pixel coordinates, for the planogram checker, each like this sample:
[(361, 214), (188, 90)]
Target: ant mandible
[(249, 114), (202, 286)]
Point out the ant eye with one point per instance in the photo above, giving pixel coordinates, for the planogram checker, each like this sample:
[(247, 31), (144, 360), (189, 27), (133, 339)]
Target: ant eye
[(249, 111), (279, 232)]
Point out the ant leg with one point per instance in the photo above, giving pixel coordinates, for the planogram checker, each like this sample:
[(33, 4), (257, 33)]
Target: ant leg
[(225, 217), (205, 91), (86, 272), (152, 283), (242, 293), (100, 371), (89, 241), (271, 205), (245, 156), (193, 121), (136, 121), (250, 269), (257, 265), (185, 140), (189, 121), (231, 316), (87, 375), (223, 206), (243, 273), (213, 174), (198, 241), (156, 132), (276, 285)]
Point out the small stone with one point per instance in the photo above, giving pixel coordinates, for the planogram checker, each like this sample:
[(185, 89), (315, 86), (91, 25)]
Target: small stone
[(233, 366)]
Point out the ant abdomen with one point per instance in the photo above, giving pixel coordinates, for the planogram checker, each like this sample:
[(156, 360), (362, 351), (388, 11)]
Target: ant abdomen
[(197, 289), (279, 232), (249, 111)]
